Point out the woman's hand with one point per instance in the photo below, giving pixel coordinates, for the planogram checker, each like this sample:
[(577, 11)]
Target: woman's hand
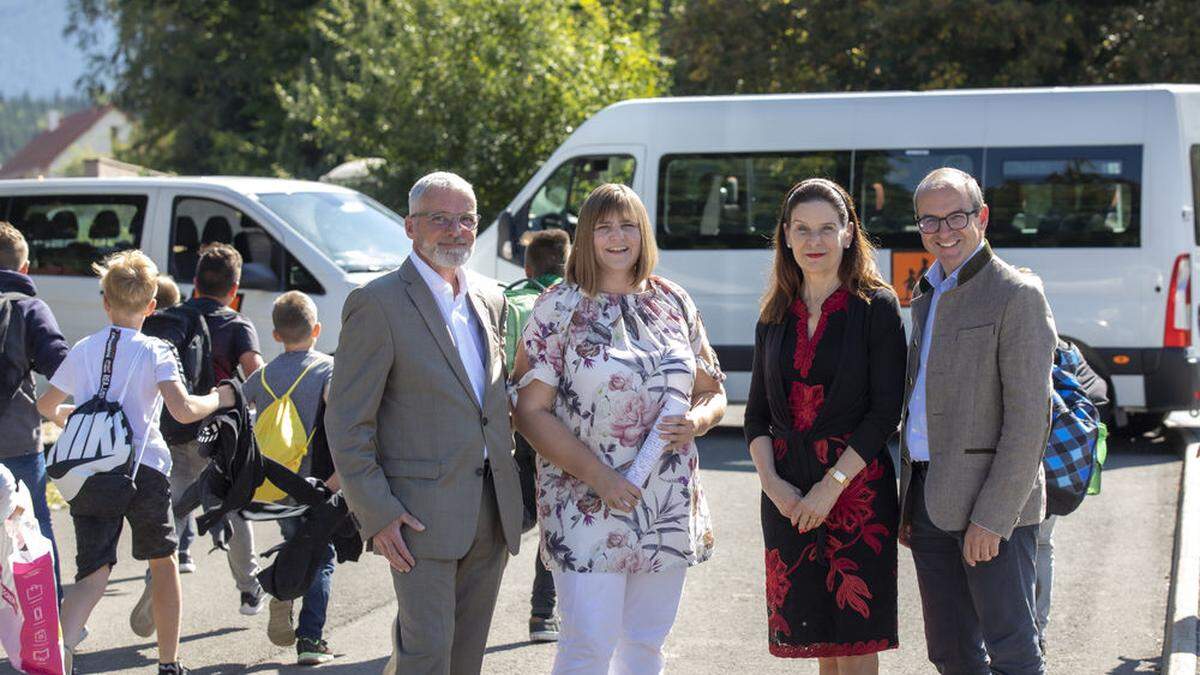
[(785, 496), (617, 493), (816, 505), (679, 430)]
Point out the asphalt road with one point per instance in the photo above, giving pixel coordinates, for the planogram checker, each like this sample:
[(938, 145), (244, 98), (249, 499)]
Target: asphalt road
[(1110, 596)]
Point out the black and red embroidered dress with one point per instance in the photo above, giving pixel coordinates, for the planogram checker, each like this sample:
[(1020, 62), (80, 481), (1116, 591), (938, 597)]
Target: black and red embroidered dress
[(831, 591)]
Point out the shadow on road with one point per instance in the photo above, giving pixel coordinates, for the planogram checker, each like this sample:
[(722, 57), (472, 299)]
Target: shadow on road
[(123, 657), (1129, 666), (273, 667)]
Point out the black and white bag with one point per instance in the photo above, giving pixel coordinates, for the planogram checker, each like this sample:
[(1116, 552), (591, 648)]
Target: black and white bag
[(93, 463)]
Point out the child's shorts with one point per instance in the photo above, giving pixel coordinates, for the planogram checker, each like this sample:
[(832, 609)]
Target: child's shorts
[(150, 521)]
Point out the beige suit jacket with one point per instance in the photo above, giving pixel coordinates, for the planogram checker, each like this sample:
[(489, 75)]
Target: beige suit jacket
[(987, 398), (405, 429)]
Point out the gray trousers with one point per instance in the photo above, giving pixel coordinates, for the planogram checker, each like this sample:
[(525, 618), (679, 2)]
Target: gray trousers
[(186, 465), (1045, 572), (445, 606)]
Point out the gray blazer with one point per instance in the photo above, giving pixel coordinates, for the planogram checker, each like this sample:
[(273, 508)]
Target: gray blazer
[(987, 398), (405, 429)]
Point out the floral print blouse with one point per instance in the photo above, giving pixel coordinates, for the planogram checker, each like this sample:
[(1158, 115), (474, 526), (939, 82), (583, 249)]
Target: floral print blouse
[(614, 360)]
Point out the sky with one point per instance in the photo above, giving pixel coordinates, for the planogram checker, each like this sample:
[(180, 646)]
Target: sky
[(36, 57)]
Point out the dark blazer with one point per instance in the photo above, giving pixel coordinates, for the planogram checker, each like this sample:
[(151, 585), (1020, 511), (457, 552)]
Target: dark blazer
[(987, 397), (864, 399)]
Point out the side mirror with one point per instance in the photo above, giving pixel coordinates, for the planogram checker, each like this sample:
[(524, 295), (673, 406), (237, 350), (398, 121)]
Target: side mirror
[(504, 234)]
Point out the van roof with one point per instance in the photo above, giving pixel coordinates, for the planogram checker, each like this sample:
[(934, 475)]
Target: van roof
[(239, 184)]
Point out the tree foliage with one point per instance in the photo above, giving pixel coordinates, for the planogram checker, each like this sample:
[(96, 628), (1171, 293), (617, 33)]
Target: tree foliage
[(22, 118), (485, 88), (764, 46)]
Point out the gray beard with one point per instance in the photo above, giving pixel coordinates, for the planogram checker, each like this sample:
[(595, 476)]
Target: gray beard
[(444, 258)]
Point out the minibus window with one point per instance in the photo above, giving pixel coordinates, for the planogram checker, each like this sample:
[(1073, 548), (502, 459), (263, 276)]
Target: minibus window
[(732, 200), (1064, 196), (556, 203), (1196, 190), (67, 233), (197, 223), (886, 179), (354, 231)]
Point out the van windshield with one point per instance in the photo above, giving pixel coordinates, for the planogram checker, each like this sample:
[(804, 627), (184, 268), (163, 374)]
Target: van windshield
[(357, 233)]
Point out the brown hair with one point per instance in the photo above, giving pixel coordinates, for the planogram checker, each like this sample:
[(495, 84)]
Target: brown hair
[(294, 314), (128, 279), (857, 271), (14, 252), (609, 198), (218, 270), (167, 294), (546, 251)]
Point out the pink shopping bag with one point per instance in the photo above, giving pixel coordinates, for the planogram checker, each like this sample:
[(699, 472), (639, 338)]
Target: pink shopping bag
[(29, 628)]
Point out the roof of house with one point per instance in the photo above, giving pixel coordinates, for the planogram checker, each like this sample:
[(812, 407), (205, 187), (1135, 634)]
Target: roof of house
[(39, 153)]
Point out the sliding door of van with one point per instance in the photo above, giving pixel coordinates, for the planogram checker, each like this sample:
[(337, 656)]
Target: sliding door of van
[(555, 202), (67, 232), (199, 222)]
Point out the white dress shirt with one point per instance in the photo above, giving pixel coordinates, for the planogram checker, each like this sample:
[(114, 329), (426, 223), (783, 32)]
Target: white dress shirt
[(465, 331)]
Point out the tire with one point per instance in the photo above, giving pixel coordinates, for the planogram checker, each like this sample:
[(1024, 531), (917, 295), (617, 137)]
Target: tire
[(1139, 424)]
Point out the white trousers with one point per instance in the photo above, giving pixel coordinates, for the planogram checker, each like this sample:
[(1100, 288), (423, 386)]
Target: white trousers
[(615, 624)]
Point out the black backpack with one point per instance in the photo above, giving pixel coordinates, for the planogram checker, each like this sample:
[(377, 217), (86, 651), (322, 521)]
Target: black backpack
[(14, 362), (186, 330)]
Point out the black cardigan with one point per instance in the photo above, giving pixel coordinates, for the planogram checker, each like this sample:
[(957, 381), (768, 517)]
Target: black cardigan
[(864, 399)]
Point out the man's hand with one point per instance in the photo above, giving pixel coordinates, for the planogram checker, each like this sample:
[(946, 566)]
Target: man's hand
[(980, 545), (905, 535), (389, 543)]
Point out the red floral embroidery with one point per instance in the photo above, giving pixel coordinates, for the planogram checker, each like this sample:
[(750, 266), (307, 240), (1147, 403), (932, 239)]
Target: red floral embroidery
[(778, 585), (806, 348), (830, 649), (805, 402)]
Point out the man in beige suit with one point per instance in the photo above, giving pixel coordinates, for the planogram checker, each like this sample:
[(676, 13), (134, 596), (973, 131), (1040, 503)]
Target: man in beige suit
[(418, 424), (975, 425)]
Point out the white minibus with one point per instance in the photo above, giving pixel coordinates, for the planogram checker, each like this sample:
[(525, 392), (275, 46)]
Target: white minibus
[(322, 239), (1093, 188)]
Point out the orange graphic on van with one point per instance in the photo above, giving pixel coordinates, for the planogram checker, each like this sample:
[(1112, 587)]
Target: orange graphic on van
[(907, 269)]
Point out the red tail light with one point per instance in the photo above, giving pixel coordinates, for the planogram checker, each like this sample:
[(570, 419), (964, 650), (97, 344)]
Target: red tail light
[(1178, 329)]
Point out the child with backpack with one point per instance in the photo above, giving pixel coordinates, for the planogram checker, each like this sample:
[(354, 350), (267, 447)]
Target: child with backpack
[(287, 394), (118, 378), (30, 341)]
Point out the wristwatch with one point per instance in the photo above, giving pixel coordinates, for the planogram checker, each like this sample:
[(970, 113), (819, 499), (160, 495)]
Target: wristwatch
[(838, 476)]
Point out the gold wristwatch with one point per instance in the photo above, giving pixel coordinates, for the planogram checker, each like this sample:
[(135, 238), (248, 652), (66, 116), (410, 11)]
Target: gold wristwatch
[(838, 476)]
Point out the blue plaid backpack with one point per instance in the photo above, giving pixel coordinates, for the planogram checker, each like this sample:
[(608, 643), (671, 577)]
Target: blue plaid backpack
[(1076, 448)]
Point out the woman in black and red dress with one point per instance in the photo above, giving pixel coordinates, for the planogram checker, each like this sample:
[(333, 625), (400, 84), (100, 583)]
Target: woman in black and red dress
[(825, 395)]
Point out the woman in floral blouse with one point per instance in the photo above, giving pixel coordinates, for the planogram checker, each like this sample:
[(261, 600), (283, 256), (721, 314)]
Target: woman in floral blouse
[(825, 395), (600, 356)]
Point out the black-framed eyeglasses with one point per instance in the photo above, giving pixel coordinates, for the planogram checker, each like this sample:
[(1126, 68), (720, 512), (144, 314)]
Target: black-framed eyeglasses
[(443, 221), (955, 221)]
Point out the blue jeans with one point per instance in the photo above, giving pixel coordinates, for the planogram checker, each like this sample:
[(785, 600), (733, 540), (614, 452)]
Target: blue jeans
[(31, 470), (316, 600)]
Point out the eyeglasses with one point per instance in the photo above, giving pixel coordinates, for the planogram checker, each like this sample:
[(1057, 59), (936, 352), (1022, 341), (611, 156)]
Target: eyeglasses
[(444, 221), (955, 221)]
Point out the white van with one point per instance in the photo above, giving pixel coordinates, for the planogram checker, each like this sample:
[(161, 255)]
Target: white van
[(1093, 188), (293, 235)]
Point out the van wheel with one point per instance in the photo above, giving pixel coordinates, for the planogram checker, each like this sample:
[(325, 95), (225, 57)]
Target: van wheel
[(1140, 424)]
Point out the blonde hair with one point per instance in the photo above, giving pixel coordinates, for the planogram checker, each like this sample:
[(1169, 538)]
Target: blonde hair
[(128, 279), (167, 294), (294, 314), (14, 252), (606, 200)]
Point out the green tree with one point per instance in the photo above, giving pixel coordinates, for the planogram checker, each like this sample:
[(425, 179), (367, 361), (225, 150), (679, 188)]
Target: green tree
[(201, 79), (765, 46), (486, 88)]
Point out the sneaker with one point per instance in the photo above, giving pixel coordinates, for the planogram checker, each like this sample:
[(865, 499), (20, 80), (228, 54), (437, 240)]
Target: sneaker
[(543, 629), (141, 619), (252, 602), (172, 669), (186, 564), (310, 652), (280, 628)]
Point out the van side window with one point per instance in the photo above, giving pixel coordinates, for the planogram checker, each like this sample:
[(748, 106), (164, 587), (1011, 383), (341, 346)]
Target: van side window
[(886, 179), (732, 200), (556, 203), (1064, 196), (197, 223), (300, 279), (1196, 190), (67, 233)]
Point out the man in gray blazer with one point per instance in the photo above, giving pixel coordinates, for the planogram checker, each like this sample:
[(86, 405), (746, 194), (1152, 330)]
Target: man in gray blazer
[(418, 424), (976, 420)]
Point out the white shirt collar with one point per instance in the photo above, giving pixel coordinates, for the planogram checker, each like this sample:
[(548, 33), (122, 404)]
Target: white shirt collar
[(435, 281)]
